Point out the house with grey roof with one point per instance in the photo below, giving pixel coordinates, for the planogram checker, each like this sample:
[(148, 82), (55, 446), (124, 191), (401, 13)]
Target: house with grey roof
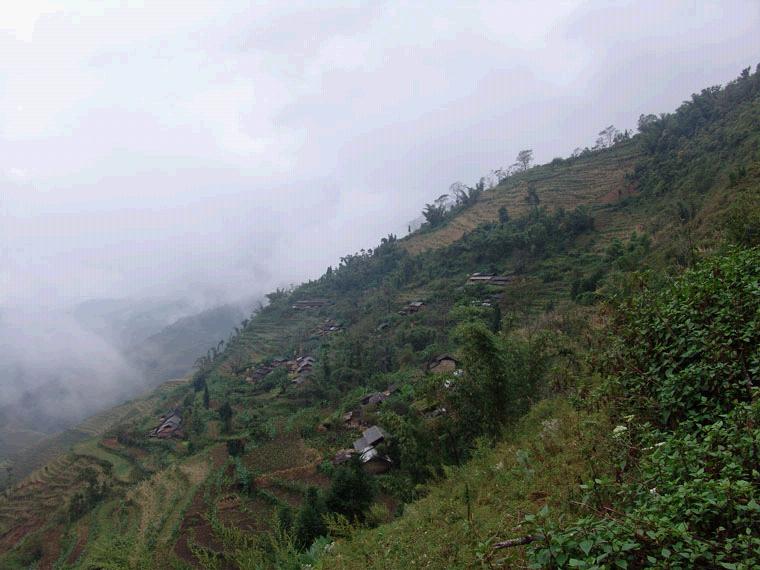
[(370, 438)]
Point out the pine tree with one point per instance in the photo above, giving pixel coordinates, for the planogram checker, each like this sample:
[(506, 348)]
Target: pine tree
[(503, 215), (496, 322), (351, 492), (225, 414), (206, 399), (309, 523)]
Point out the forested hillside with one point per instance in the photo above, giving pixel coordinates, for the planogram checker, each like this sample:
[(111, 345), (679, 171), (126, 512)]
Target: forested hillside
[(556, 371)]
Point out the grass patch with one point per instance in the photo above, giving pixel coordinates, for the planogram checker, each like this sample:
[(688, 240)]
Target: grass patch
[(542, 462)]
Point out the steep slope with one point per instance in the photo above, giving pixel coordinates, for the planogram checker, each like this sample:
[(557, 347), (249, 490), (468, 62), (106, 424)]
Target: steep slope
[(522, 420)]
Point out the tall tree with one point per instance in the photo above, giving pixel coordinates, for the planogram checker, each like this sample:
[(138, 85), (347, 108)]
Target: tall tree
[(496, 322), (524, 158), (225, 414), (503, 215), (606, 137), (351, 492), (434, 214), (310, 523)]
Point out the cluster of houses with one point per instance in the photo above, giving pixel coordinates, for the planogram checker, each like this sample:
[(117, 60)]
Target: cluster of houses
[(411, 308), (262, 371), (300, 368), (490, 279), (306, 304), (353, 418), (366, 447), (169, 425), (327, 328)]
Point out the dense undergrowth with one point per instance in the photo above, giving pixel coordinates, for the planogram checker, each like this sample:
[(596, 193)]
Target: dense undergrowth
[(683, 382)]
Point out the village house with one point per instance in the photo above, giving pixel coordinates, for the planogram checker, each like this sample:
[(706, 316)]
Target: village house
[(327, 328), (169, 425), (372, 461), (302, 367), (501, 280), (436, 412), (309, 304), (370, 438), (353, 419), (305, 365), (443, 364), (262, 371), (378, 397), (374, 398), (412, 308), (490, 279)]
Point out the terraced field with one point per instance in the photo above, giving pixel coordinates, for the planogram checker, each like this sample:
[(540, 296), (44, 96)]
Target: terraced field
[(45, 490), (50, 448), (51, 472), (597, 180), (286, 456), (122, 468), (271, 334)]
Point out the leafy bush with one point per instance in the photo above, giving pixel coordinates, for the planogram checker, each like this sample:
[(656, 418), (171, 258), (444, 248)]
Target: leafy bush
[(695, 505), (691, 350), (351, 492), (687, 358)]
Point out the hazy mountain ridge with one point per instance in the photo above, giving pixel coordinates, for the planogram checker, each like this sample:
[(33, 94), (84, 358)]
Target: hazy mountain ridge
[(99, 354)]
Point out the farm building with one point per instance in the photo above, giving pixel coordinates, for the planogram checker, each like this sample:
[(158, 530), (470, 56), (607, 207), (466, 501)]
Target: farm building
[(169, 425), (310, 304), (374, 463), (490, 279), (480, 278), (328, 327), (370, 438), (443, 364), (412, 308)]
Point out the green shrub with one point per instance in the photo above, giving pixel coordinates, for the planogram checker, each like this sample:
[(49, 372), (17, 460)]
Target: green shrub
[(691, 349), (695, 505), (686, 363)]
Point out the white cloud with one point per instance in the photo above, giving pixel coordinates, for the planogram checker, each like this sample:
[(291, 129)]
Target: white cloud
[(167, 138), (17, 175)]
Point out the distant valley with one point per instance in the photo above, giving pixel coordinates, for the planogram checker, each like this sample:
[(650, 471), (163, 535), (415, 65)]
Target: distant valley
[(62, 367)]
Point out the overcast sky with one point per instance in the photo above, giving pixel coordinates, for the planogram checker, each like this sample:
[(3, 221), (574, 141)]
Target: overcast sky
[(227, 147)]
